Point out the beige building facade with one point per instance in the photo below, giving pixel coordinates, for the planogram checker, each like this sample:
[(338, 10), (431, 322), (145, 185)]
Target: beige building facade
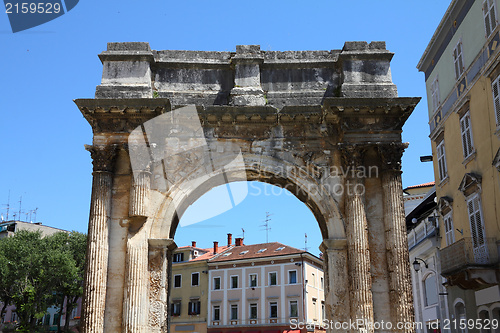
[(462, 72)]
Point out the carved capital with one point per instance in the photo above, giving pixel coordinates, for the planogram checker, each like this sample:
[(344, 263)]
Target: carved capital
[(352, 155), (102, 157), (391, 154)]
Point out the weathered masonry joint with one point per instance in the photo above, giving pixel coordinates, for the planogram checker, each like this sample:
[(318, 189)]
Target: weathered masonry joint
[(170, 125)]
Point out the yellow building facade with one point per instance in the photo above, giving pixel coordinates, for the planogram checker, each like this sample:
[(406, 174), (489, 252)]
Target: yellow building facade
[(462, 73)]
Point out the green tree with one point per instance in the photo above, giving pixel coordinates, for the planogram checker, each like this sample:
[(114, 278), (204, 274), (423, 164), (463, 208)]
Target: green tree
[(38, 272)]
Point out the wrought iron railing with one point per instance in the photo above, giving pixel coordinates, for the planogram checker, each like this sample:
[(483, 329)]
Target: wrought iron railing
[(465, 252)]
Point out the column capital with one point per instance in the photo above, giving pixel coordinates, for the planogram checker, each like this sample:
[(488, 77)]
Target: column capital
[(391, 154), (352, 154), (333, 244), (102, 157)]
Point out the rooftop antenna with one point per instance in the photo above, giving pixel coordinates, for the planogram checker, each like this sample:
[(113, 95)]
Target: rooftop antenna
[(243, 230), (266, 226), (20, 204), (35, 213), (305, 243), (8, 206)]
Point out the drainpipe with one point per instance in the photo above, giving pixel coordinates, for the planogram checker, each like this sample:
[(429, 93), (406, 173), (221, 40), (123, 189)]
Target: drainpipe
[(303, 288)]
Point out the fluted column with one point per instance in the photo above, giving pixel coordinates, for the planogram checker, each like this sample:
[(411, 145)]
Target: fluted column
[(135, 304), (94, 291), (336, 282), (139, 193), (357, 240), (396, 240)]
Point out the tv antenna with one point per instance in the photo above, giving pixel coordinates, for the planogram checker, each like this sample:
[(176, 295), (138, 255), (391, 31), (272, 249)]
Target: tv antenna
[(20, 205), (266, 226), (243, 230), (8, 206), (305, 242)]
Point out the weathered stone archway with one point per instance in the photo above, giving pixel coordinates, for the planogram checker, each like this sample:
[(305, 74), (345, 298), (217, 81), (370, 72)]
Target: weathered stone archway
[(306, 120)]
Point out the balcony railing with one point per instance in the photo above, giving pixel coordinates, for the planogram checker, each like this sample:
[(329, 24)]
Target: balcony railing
[(464, 253), (420, 232)]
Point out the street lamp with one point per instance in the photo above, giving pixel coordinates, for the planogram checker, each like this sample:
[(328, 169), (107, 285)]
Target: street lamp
[(416, 264)]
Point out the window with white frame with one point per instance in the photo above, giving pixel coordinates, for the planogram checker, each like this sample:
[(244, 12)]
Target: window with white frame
[(441, 156), (252, 280), (234, 311), (217, 283), (253, 311), (194, 307), (234, 282), (177, 281), (448, 229), (490, 16), (273, 310), (465, 128), (495, 88), (458, 59), (430, 289), (294, 309), (273, 278), (435, 94), (216, 312), (195, 279), (477, 229), (461, 317), (178, 257)]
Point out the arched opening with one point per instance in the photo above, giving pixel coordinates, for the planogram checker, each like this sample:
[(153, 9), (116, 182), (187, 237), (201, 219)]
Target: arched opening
[(267, 273)]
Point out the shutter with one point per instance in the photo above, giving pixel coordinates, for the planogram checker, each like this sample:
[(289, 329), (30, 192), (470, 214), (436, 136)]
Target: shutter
[(495, 87), (472, 220)]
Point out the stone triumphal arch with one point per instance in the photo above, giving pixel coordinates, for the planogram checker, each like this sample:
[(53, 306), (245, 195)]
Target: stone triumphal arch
[(170, 125)]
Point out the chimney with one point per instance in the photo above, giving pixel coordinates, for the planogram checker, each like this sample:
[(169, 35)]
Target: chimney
[(239, 241), (216, 247), (193, 243), (229, 239)]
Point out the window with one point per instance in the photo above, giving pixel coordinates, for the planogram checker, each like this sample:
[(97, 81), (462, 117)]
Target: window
[(465, 127), (217, 283), (495, 88), (315, 317), (216, 312), (323, 313), (177, 281), (195, 279), (178, 257), (55, 319), (261, 250), (176, 308), (322, 281), (194, 307), (435, 94), (294, 310), (490, 16), (313, 280), (281, 248), (460, 315), (273, 279), (243, 252), (234, 311), (253, 280), (441, 156), (234, 282), (253, 311), (430, 290), (458, 60), (477, 229), (292, 277), (273, 306), (448, 228)]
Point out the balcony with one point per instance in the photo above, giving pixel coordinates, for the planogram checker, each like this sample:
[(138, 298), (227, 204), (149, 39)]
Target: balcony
[(422, 231), (470, 267)]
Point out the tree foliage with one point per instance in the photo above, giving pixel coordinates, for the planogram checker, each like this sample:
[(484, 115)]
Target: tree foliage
[(39, 272)]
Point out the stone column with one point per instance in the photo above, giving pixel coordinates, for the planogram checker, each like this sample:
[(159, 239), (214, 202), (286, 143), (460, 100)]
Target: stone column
[(336, 281), (398, 261), (135, 303), (357, 239), (139, 193), (94, 290)]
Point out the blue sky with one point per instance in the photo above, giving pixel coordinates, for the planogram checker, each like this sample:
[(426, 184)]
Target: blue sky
[(44, 68)]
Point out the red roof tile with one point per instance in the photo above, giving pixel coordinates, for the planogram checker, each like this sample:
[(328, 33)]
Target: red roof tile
[(256, 251)]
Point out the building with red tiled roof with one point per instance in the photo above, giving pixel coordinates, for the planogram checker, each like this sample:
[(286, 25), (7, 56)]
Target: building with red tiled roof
[(265, 288)]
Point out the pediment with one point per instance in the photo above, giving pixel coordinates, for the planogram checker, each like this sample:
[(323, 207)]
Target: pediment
[(471, 183)]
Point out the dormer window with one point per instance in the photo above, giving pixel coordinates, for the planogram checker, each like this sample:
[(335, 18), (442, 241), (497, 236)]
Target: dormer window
[(178, 257)]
